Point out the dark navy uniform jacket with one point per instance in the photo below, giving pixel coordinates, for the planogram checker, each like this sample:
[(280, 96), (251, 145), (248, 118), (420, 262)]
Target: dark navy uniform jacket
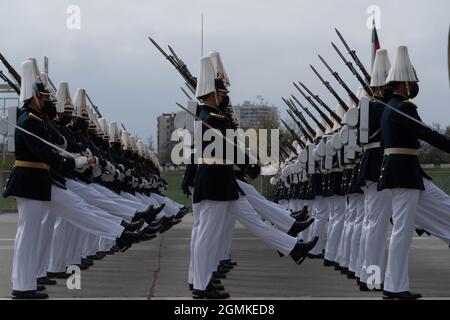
[(216, 181), (34, 183), (371, 160), (404, 171)]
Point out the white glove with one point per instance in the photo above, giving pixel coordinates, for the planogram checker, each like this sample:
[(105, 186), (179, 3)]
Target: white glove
[(81, 163), (88, 153), (96, 171), (109, 167), (128, 173)]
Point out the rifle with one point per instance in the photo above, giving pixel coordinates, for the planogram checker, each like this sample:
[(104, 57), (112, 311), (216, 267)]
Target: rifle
[(288, 146), (354, 56), (11, 70), (332, 91), (321, 127), (323, 104), (311, 102), (9, 82), (301, 117), (94, 106), (354, 71), (186, 94), (292, 131), (340, 81), (179, 65), (300, 126)]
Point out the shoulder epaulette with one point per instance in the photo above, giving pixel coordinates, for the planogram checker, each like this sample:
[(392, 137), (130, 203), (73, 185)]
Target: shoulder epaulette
[(34, 117), (409, 103), (217, 116)]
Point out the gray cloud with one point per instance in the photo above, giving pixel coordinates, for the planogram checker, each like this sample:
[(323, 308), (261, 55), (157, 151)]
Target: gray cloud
[(265, 46)]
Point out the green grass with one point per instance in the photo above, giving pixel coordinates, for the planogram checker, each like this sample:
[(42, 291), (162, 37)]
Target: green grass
[(174, 192), (441, 178)]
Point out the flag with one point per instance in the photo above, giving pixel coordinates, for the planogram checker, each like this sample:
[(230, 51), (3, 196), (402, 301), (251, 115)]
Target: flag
[(375, 41)]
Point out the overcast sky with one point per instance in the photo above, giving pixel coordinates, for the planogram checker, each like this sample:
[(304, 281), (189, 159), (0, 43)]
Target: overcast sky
[(265, 45)]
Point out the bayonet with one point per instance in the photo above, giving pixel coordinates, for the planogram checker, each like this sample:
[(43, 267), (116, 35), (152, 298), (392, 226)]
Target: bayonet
[(354, 57), (354, 71), (340, 81), (323, 104), (330, 88), (321, 127), (311, 102)]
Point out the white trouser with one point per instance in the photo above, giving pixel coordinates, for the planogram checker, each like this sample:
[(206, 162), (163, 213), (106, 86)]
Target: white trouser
[(348, 232), (363, 237), (320, 213), (433, 211), (65, 204), (26, 247), (379, 210), (269, 210), (404, 206), (44, 242), (62, 233), (335, 226), (137, 205), (195, 224), (356, 234), (212, 216), (171, 208), (227, 235), (100, 200)]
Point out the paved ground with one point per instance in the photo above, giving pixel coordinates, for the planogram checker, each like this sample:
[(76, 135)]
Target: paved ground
[(157, 269)]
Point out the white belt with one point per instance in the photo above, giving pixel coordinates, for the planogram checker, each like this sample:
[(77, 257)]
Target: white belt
[(372, 145), (404, 151)]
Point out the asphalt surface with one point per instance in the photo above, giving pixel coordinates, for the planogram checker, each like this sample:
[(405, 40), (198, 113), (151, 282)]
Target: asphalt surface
[(157, 269)]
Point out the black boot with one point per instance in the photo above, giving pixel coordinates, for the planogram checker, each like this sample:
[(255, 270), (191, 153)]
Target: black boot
[(149, 230), (134, 226), (87, 262), (126, 239), (404, 295), (46, 281), (209, 293), (58, 275), (301, 249), (218, 275), (183, 211), (298, 227), (28, 295)]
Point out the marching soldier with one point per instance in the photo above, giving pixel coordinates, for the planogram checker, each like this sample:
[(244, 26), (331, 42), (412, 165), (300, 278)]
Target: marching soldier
[(217, 194), (401, 173)]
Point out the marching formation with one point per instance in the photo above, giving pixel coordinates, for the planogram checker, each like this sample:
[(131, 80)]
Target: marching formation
[(84, 188), (355, 172), (359, 170)]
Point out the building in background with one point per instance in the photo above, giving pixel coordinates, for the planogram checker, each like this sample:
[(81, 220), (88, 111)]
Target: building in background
[(256, 115), (166, 126)]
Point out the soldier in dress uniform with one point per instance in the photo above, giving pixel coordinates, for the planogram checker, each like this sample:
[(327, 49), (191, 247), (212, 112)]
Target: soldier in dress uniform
[(401, 173), (217, 194), (36, 190)]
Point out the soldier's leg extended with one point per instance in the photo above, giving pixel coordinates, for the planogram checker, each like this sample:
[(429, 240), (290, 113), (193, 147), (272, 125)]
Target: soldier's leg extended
[(248, 217), (95, 198), (269, 210), (84, 216), (404, 207), (433, 211)]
